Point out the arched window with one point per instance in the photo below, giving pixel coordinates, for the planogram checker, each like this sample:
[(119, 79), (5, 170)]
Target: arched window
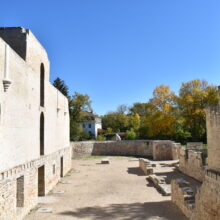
[(42, 133), (42, 75)]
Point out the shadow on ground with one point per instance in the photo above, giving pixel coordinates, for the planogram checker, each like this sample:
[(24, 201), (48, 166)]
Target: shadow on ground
[(139, 211), (135, 170)]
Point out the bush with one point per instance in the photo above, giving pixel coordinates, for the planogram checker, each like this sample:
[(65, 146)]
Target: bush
[(131, 135), (101, 138), (85, 135)]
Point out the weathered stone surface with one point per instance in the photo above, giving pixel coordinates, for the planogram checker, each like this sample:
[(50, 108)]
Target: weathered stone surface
[(194, 145), (192, 163), (160, 184), (183, 196), (145, 166)]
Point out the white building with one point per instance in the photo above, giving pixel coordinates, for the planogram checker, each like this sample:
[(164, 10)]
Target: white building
[(92, 124)]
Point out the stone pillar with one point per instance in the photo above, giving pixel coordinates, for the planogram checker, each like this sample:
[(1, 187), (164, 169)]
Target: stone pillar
[(213, 136)]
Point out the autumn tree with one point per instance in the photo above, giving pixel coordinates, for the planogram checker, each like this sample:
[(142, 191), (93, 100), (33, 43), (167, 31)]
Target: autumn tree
[(194, 97)]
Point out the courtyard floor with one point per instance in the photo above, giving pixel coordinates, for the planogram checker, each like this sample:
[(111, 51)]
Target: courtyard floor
[(118, 190)]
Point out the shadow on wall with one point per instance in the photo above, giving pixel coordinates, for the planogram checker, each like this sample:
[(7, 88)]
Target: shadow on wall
[(164, 210)]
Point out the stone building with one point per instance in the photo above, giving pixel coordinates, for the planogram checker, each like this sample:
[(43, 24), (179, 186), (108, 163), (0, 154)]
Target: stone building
[(34, 124)]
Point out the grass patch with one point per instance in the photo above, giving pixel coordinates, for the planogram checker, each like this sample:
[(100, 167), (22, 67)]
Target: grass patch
[(100, 157)]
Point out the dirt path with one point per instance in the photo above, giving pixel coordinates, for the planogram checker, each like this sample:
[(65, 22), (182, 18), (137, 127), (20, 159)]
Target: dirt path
[(115, 191)]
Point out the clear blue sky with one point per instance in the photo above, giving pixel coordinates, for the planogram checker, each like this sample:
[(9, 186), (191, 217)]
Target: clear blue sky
[(118, 51)]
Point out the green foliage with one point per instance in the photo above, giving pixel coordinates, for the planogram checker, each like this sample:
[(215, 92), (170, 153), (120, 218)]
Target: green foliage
[(61, 86), (131, 135), (108, 130), (79, 105), (75, 131), (101, 138), (85, 135)]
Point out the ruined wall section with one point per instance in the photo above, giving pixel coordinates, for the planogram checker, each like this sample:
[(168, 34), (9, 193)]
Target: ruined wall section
[(192, 163)]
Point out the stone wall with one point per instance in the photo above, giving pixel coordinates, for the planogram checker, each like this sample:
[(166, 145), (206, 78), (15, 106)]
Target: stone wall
[(208, 198), (183, 196), (194, 145), (27, 126), (192, 163), (158, 150), (15, 204), (20, 108)]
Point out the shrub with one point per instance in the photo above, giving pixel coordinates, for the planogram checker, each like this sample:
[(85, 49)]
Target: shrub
[(131, 135)]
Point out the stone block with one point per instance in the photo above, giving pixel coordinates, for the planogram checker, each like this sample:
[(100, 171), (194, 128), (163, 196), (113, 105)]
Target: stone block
[(105, 161)]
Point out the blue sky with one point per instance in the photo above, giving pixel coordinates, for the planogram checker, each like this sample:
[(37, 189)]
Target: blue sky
[(118, 51)]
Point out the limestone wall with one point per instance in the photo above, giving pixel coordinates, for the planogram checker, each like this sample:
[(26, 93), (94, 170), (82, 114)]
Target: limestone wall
[(192, 163), (159, 150), (25, 173), (20, 109)]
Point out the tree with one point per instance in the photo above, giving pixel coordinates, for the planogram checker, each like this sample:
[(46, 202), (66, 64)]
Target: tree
[(61, 86), (80, 106), (115, 121), (142, 109), (134, 121), (122, 109), (194, 97), (163, 99)]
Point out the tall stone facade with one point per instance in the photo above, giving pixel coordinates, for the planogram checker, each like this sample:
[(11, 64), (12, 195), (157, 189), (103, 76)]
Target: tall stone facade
[(34, 124)]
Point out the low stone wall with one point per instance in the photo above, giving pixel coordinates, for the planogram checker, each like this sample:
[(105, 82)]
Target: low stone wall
[(192, 163), (194, 145), (158, 150), (19, 185)]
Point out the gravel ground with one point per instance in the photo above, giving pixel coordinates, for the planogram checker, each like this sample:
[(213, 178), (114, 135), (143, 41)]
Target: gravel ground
[(118, 190)]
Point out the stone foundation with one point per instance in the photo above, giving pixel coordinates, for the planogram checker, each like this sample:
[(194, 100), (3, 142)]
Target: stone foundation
[(19, 185), (192, 163)]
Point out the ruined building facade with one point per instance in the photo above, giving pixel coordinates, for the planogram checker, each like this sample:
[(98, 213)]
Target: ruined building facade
[(34, 124), (205, 203)]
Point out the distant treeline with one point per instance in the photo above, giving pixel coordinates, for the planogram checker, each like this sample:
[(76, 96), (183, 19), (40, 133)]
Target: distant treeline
[(165, 116)]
